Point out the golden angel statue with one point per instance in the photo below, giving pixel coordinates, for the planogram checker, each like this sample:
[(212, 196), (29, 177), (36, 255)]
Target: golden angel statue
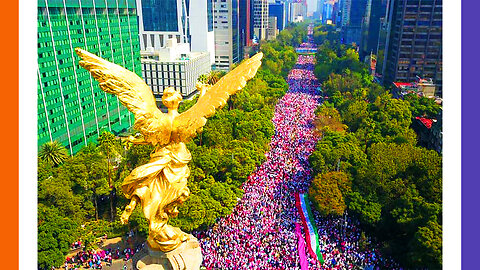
[(161, 184)]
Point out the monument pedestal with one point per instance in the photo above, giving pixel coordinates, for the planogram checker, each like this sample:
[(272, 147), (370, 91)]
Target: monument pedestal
[(188, 256)]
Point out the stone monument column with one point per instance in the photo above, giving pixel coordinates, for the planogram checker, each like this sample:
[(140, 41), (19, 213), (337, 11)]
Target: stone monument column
[(187, 256)]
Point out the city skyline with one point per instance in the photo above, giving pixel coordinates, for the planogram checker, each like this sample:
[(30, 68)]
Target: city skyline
[(372, 35)]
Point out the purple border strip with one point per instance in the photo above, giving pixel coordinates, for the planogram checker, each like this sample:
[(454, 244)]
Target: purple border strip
[(470, 134)]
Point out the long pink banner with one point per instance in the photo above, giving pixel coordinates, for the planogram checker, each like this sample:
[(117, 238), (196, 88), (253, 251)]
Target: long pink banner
[(301, 248)]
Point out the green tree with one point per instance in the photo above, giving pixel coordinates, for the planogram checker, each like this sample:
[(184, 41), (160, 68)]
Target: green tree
[(422, 106), (53, 152), (55, 235), (337, 151), (45, 170), (211, 78), (137, 154), (326, 192), (96, 184), (428, 245), (109, 146), (57, 192), (368, 210), (405, 181), (345, 83)]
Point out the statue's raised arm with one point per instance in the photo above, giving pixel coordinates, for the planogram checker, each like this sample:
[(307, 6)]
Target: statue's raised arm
[(187, 124)]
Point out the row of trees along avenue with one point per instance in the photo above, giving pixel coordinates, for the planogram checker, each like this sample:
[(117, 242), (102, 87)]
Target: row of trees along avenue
[(368, 162)]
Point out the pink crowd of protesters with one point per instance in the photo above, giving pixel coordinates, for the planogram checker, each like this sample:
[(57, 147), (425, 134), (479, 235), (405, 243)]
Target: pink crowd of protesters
[(341, 245), (260, 232), (100, 258), (89, 259)]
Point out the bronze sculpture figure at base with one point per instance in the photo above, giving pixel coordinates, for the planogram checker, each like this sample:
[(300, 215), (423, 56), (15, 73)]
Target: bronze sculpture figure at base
[(186, 256), (160, 186)]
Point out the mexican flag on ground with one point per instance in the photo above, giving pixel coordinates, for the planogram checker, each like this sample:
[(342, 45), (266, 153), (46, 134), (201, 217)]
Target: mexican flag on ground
[(303, 205)]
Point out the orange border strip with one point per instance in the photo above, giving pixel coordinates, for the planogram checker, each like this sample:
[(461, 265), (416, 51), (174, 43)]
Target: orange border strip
[(9, 70)]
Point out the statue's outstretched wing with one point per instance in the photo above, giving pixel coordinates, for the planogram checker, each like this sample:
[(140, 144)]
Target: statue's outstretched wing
[(132, 92), (187, 124)]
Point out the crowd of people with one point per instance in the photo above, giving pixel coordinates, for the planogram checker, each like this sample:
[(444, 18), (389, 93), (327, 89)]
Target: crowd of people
[(260, 232), (89, 259), (98, 259), (343, 247)]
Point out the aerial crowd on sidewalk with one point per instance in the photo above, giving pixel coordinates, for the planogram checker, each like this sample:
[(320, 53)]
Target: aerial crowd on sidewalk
[(100, 258)]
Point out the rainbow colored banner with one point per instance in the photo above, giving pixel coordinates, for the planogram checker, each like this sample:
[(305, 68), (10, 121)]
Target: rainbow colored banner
[(303, 205)]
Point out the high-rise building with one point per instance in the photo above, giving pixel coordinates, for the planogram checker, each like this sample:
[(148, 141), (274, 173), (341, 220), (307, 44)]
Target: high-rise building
[(260, 19), (382, 39), (358, 16), (414, 42), (187, 21), (245, 30), (319, 11), (287, 12), (365, 26), (174, 66), (272, 30), (227, 38), (237, 47), (377, 15), (160, 20), (298, 11), (72, 108), (335, 13), (345, 7), (327, 12), (202, 37), (278, 10)]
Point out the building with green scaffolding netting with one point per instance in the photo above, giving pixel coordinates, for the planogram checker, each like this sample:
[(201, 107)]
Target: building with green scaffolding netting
[(72, 108)]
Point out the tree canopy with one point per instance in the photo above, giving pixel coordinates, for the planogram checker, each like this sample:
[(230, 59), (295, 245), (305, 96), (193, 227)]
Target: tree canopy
[(393, 186)]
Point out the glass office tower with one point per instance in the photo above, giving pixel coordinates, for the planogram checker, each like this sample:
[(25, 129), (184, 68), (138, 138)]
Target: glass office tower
[(160, 15), (277, 9), (414, 42)]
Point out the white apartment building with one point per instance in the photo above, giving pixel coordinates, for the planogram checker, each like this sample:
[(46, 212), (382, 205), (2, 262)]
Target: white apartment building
[(174, 66), (227, 39), (188, 22), (272, 30), (260, 18)]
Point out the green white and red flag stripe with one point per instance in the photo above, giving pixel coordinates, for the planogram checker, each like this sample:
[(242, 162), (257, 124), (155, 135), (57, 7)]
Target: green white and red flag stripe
[(303, 205)]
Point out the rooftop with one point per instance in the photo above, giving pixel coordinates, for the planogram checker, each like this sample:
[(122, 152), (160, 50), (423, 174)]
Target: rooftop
[(172, 52), (425, 121), (182, 58), (403, 85)]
